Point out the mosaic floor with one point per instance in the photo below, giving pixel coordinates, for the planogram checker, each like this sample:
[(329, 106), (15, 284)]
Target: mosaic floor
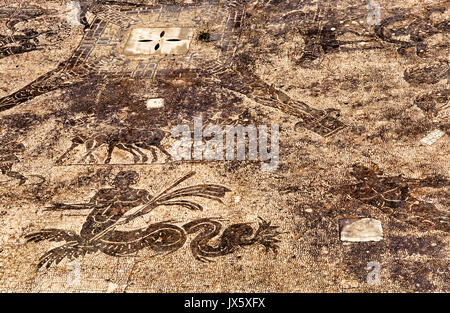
[(224, 146)]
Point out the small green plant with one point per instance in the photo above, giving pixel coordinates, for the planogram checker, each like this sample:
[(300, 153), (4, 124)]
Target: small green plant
[(204, 36)]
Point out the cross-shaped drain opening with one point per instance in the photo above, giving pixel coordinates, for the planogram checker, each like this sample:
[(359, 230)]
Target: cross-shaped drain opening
[(154, 41)]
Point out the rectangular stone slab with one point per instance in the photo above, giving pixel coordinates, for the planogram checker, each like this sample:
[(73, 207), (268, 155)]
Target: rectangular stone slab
[(159, 41), (360, 230)]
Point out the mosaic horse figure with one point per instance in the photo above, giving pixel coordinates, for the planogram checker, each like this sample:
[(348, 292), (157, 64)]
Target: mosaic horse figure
[(131, 140)]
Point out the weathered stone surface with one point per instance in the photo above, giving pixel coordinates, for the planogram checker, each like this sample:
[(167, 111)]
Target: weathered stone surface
[(352, 85)]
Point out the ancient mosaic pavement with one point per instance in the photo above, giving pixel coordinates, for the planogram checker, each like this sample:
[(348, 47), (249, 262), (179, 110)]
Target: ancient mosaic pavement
[(354, 98)]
